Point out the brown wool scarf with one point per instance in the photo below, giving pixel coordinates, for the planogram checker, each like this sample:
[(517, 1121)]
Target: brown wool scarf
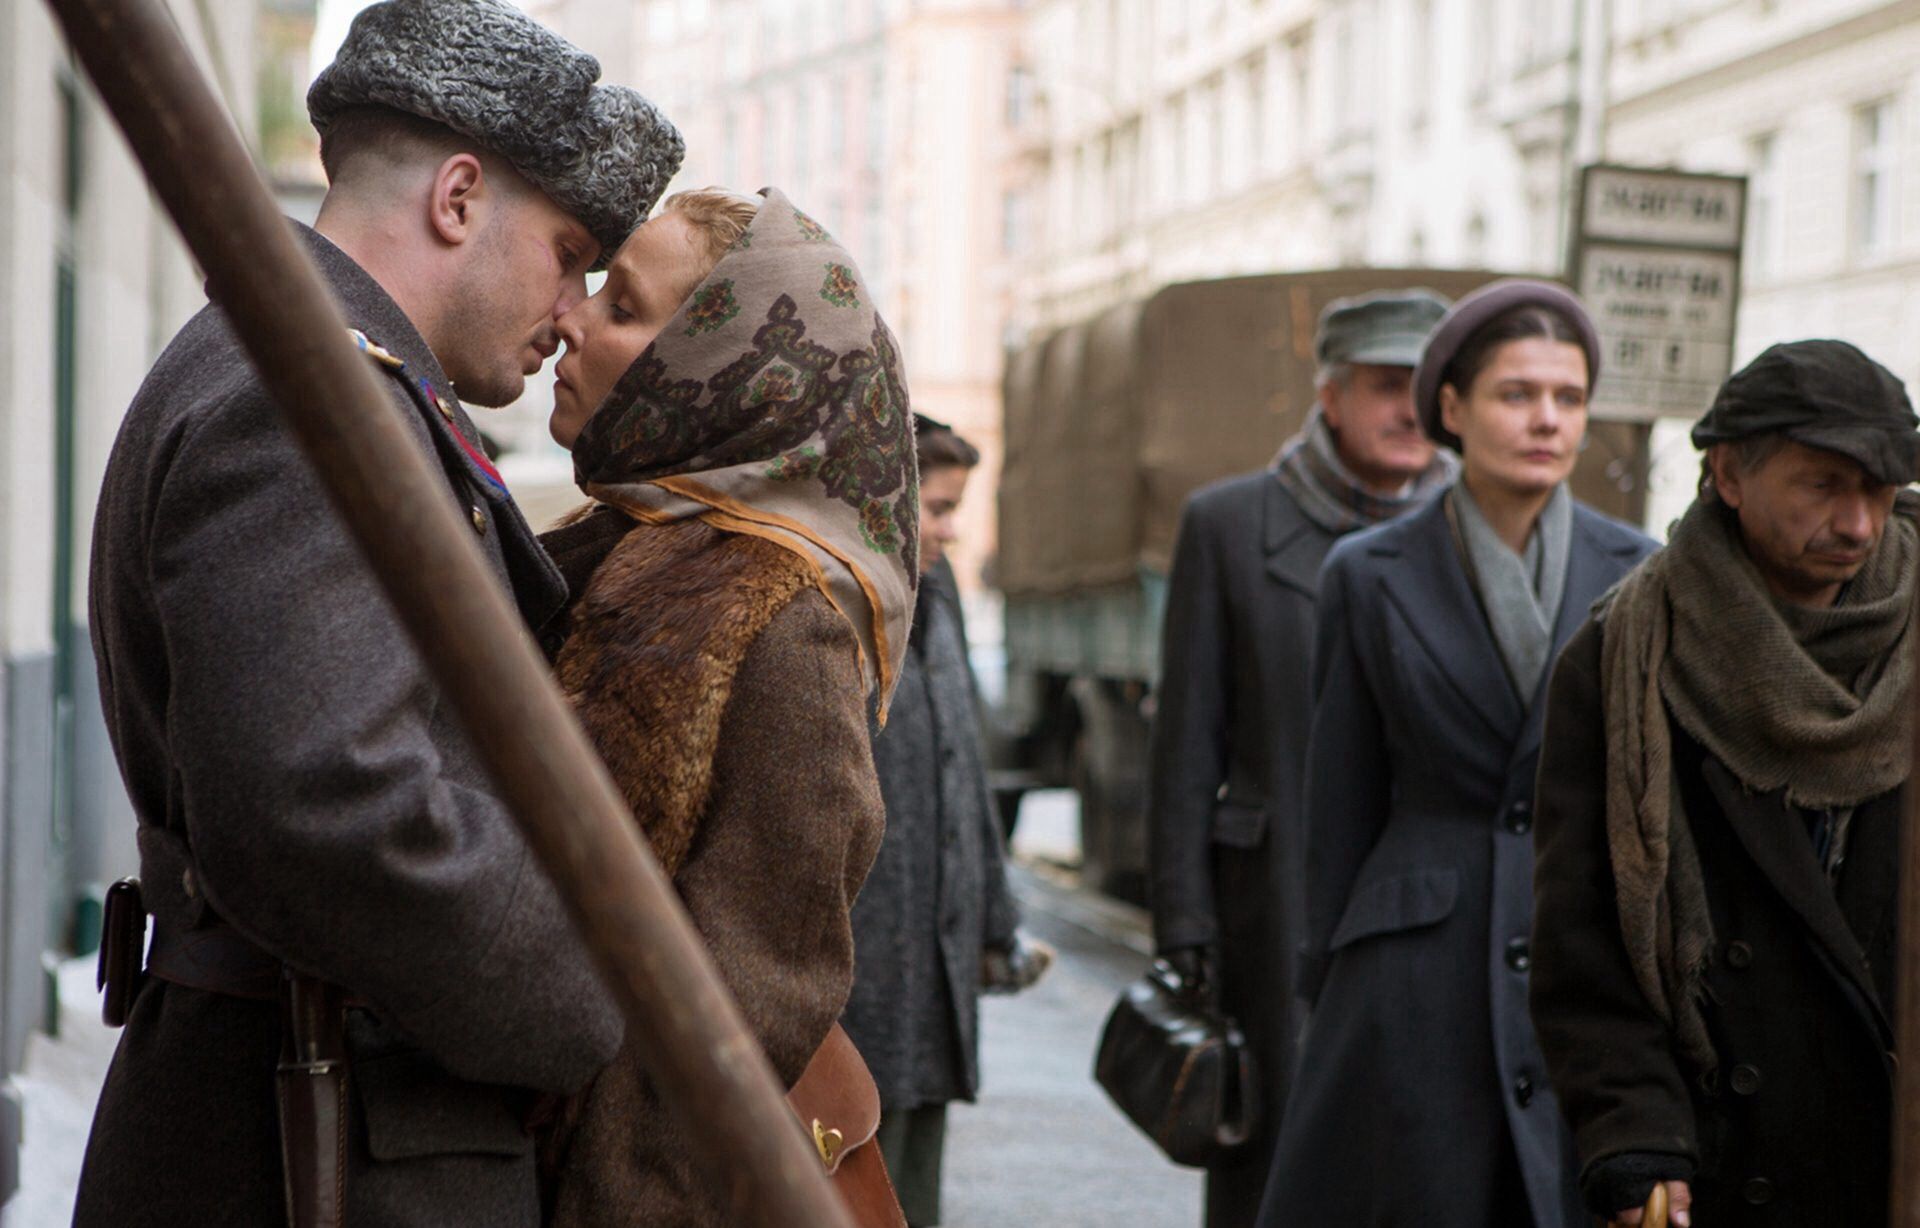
[(775, 405), (1809, 702)]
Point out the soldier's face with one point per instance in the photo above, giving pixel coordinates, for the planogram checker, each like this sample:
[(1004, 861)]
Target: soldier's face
[(528, 268), (656, 270), (1809, 517)]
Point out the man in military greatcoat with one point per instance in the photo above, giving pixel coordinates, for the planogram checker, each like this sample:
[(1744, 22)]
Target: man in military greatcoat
[(1229, 738), (1718, 818), (310, 813)]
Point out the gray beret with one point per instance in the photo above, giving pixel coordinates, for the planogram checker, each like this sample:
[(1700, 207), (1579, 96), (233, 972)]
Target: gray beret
[(1386, 328), (484, 69)]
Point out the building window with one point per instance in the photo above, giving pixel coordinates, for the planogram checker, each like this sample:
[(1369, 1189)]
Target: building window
[(1013, 223), (1873, 186), (1019, 94), (1420, 53), (1765, 220)]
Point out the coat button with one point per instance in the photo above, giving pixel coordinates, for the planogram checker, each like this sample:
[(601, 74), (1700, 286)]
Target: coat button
[(1739, 955), (1523, 1090), (1745, 1079), (479, 521), (1519, 818), (1758, 1191), (1519, 958)]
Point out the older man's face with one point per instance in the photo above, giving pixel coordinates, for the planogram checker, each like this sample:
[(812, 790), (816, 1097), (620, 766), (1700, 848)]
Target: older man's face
[(1374, 426), (1809, 517)]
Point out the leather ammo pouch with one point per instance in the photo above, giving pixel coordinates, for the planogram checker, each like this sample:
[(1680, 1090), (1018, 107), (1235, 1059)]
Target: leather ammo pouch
[(839, 1106)]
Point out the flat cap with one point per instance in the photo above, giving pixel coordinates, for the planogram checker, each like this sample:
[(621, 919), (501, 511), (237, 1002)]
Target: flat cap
[(603, 153), (1474, 312), (1386, 328), (1824, 394)]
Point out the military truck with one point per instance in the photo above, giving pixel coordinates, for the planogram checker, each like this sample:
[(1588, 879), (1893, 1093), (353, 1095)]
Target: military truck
[(1110, 424)]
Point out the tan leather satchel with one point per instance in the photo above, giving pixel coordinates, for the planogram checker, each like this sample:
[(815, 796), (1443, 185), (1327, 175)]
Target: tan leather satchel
[(839, 1107)]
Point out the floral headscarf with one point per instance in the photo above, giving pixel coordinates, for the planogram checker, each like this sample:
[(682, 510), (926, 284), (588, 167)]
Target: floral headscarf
[(774, 404)]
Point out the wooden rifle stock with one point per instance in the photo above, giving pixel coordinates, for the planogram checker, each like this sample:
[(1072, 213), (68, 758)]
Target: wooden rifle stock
[(708, 1066)]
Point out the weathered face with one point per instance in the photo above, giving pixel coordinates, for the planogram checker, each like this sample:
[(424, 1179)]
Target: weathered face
[(940, 492), (1809, 517), (1521, 423), (528, 267), (656, 269), (1375, 428)]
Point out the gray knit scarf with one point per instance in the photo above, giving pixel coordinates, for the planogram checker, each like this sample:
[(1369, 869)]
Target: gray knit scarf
[(1520, 593), (1812, 702), (1332, 498)]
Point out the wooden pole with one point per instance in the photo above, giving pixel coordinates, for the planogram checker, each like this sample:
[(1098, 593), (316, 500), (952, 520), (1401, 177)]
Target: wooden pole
[(708, 1066), (1906, 1082)]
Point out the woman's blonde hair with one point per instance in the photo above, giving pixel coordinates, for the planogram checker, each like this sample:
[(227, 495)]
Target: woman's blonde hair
[(720, 215)]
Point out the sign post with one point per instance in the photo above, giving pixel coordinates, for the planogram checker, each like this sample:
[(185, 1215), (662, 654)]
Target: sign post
[(1656, 256)]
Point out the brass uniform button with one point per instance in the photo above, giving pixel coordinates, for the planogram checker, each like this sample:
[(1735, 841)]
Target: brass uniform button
[(479, 521), (445, 406)]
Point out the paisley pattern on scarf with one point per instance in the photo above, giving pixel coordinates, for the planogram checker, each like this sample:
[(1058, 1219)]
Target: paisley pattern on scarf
[(761, 414)]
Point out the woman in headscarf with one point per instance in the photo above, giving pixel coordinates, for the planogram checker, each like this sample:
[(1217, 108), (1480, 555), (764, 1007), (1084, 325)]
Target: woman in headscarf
[(743, 585), (1421, 1097)]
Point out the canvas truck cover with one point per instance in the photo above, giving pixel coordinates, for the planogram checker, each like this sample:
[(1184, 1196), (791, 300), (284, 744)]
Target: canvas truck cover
[(1112, 423)]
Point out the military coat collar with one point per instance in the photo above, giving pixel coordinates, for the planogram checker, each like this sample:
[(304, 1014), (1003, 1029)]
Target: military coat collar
[(1294, 545)]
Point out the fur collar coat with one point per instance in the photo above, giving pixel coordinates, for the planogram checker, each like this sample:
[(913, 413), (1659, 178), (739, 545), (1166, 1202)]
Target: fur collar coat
[(725, 694)]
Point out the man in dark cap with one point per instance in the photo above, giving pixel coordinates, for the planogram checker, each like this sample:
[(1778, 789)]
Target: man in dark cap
[(1229, 736), (332, 877), (1718, 814)]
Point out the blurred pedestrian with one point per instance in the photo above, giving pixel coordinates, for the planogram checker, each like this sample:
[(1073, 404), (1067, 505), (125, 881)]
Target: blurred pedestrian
[(1421, 1097), (1727, 742), (935, 923), (312, 819), (1229, 740), (748, 552)]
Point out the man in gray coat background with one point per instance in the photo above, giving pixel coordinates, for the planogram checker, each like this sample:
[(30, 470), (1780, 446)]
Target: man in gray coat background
[(1229, 737), (306, 802)]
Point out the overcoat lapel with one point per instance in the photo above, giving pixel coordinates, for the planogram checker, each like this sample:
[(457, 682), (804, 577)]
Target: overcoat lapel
[(1294, 550), (1773, 837), (1438, 604)]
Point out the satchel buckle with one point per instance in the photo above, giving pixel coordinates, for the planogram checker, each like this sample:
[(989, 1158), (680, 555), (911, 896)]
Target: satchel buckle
[(828, 1143)]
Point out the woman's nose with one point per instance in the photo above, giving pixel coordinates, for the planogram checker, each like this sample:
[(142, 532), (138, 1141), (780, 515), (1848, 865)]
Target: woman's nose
[(571, 325)]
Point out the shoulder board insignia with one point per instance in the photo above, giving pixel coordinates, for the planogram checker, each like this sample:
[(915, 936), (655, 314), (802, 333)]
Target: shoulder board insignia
[(384, 357)]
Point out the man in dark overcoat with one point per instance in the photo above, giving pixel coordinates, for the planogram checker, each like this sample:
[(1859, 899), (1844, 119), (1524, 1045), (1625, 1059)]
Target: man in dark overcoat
[(1229, 738), (1719, 806), (309, 808), (935, 924)]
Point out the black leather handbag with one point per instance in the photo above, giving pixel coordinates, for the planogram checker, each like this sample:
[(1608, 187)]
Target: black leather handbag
[(1179, 1070)]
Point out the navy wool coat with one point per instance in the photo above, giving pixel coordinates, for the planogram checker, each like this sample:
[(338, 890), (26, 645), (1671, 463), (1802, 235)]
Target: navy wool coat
[(1421, 1097), (1229, 750)]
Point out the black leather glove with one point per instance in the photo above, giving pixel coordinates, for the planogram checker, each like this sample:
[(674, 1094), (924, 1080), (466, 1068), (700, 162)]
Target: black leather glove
[(1195, 968)]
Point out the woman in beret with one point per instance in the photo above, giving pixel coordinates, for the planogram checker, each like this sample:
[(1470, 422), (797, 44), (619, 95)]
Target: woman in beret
[(1421, 1097), (742, 588)]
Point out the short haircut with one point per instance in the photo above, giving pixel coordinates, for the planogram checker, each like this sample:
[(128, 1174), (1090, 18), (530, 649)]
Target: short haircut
[(718, 215), (1526, 322), (1749, 454), (940, 447), (389, 136), (1335, 373)]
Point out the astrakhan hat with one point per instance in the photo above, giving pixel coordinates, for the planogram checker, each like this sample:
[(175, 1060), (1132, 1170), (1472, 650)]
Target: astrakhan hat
[(603, 153)]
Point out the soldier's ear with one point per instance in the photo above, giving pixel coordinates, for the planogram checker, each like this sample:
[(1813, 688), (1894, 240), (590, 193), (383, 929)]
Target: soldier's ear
[(453, 211)]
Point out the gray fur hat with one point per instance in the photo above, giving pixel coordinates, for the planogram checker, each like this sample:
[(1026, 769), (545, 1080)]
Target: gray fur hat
[(481, 67)]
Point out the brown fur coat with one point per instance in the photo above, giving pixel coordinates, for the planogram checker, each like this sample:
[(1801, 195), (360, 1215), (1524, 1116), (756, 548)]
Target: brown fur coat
[(725, 695)]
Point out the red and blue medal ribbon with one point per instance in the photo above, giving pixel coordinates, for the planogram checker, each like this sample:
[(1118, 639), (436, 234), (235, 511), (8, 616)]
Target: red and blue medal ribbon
[(394, 362)]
